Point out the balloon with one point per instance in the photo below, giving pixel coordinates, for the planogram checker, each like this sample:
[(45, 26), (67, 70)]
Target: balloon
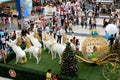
[(111, 29)]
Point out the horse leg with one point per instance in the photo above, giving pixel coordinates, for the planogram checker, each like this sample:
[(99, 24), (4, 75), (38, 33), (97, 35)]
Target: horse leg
[(36, 58), (60, 57), (52, 54), (17, 58), (49, 51), (39, 58), (30, 55), (44, 47), (55, 56)]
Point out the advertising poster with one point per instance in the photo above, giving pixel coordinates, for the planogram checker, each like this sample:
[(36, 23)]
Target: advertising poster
[(1, 1), (24, 7)]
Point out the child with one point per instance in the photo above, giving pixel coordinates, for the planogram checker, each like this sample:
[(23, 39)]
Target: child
[(77, 44), (55, 77), (70, 26), (73, 35)]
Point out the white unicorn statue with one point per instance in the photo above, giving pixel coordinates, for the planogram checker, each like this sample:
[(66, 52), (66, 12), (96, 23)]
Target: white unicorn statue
[(20, 54), (55, 47), (34, 40), (36, 51)]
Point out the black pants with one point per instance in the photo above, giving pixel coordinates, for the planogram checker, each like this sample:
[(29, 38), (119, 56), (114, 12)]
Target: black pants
[(3, 46), (59, 38), (62, 21), (54, 35), (66, 29), (94, 26)]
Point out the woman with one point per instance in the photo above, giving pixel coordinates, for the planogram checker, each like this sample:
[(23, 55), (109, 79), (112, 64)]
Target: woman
[(104, 23), (70, 26), (74, 40), (94, 23), (54, 32), (90, 23), (94, 49), (49, 74), (77, 45)]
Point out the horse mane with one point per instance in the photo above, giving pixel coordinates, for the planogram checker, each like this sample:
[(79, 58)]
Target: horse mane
[(19, 41), (28, 42), (2, 52), (52, 38), (45, 36), (36, 35), (64, 39)]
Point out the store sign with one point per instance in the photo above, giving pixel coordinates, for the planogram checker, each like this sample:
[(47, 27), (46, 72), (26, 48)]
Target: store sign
[(49, 11), (102, 0)]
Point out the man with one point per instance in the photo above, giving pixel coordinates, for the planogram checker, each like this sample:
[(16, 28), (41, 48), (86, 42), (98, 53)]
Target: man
[(3, 42), (111, 40), (40, 32), (47, 29), (59, 35)]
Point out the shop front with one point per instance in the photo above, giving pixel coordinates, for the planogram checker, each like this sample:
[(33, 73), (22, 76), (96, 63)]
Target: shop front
[(106, 6)]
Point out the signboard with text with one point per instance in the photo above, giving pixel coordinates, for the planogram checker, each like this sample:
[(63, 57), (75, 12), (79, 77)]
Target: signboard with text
[(24, 7), (102, 0)]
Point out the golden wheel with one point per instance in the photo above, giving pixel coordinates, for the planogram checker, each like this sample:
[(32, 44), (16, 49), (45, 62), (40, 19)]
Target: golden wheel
[(111, 71)]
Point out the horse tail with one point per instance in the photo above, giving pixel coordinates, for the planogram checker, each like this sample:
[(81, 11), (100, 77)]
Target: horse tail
[(23, 60)]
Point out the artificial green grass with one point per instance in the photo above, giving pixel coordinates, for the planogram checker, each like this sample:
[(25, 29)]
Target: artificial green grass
[(85, 70)]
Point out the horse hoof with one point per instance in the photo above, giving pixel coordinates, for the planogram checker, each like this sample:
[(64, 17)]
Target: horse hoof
[(36, 63)]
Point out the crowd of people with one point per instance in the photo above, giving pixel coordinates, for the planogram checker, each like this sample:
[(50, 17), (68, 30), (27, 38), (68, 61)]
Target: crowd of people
[(66, 16)]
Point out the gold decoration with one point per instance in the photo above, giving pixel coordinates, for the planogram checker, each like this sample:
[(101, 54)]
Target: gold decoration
[(52, 45), (89, 42), (45, 36), (19, 41), (65, 39), (28, 42), (36, 35), (23, 60), (4, 56)]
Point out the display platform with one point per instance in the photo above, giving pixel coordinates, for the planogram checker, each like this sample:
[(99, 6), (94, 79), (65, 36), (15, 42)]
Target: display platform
[(32, 71)]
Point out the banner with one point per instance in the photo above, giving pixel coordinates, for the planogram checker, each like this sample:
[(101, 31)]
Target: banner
[(24, 8), (49, 11), (103, 1), (4, 1)]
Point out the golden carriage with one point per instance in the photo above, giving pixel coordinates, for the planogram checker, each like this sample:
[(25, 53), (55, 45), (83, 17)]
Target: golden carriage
[(95, 49)]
